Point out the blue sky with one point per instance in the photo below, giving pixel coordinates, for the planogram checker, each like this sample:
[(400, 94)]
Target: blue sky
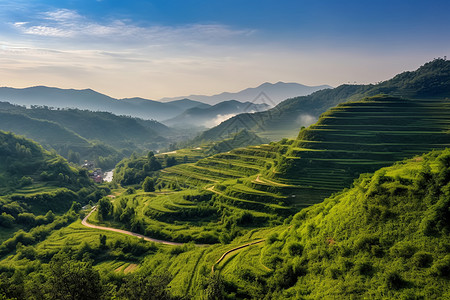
[(164, 48)]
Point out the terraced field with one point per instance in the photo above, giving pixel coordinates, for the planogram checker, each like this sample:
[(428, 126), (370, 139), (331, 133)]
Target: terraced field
[(235, 179), (261, 185), (363, 136), (235, 164), (353, 138)]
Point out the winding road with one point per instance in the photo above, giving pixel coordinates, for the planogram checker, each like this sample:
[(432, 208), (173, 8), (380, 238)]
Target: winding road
[(85, 223)]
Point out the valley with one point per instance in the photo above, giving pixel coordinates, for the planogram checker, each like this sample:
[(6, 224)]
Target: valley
[(354, 205)]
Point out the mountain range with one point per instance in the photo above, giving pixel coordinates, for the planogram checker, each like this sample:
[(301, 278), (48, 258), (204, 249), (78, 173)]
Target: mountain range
[(265, 95), (94, 101), (286, 119), (88, 135), (269, 93)]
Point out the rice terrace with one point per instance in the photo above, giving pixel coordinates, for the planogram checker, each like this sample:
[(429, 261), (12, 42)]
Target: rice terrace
[(251, 185)]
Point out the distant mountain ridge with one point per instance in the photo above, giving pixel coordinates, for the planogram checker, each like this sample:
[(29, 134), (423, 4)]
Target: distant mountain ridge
[(94, 101), (166, 109), (276, 92), (89, 134), (432, 80)]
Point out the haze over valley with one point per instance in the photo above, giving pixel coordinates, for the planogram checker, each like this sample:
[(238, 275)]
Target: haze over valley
[(308, 159)]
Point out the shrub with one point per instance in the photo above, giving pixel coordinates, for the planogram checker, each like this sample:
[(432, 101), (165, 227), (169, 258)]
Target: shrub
[(442, 267), (403, 249), (272, 238), (295, 249), (366, 242), (422, 259), (130, 191), (365, 269), (395, 281), (6, 220), (28, 219), (148, 185)]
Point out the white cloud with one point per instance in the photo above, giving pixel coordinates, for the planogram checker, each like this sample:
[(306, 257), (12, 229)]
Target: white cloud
[(306, 120), (64, 23), (218, 119), (65, 49)]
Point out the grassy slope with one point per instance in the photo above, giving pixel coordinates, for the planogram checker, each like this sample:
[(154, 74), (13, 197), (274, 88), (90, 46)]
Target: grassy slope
[(387, 237), (351, 139), (362, 136), (264, 184), (34, 181)]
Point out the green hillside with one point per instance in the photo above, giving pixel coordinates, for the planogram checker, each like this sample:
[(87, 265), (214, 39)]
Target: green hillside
[(278, 221), (20, 157), (98, 136), (34, 181), (432, 80), (260, 185), (385, 238), (388, 237), (353, 138), (362, 136)]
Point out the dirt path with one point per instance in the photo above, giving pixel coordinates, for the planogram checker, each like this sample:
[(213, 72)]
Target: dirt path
[(85, 223), (232, 250), (265, 181)]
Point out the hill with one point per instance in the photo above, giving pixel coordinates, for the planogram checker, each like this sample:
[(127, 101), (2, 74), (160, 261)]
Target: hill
[(261, 185), (21, 158), (269, 93), (34, 181), (88, 135), (432, 80), (213, 115), (353, 138), (386, 237), (91, 100), (135, 169)]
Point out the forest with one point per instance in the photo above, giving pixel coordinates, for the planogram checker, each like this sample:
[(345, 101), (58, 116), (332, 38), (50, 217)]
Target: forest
[(354, 206)]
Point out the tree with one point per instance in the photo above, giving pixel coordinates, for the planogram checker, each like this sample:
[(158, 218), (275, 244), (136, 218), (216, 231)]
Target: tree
[(104, 208), (73, 157), (6, 220), (215, 287), (76, 206), (170, 161), (154, 164), (140, 286), (148, 185), (70, 279), (102, 241), (49, 216), (150, 155)]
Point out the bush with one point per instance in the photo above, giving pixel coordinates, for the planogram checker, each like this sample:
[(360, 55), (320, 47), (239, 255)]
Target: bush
[(295, 249), (365, 269), (442, 267), (27, 219), (272, 238), (148, 185), (25, 181), (422, 259), (403, 249), (6, 220), (395, 281), (130, 191)]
